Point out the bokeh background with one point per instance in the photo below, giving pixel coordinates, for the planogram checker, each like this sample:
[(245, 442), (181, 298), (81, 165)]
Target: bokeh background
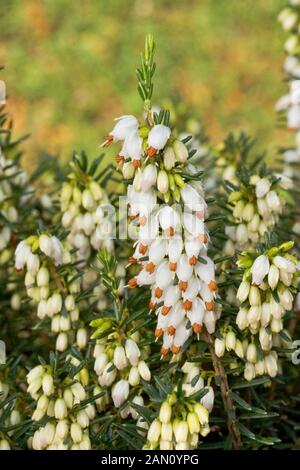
[(70, 65)]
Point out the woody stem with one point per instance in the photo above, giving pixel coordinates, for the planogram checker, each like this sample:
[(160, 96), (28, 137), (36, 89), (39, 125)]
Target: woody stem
[(228, 405)]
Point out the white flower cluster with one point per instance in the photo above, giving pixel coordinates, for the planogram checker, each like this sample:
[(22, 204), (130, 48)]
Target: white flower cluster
[(66, 428), (255, 210), (265, 293), (171, 250), (54, 296), (83, 214), (180, 422), (119, 365), (12, 418), (11, 177), (290, 103)]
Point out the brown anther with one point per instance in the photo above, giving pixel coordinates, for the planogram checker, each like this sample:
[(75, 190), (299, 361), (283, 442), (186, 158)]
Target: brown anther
[(108, 140), (183, 285), (170, 232), (213, 286), (136, 164), (187, 305), (151, 152), (193, 260), (132, 217), (142, 248), (175, 349), (143, 220), (132, 260), (152, 305), (164, 351), (165, 310), (197, 328), (158, 332), (172, 266), (120, 160), (171, 330), (202, 238), (150, 267), (132, 282), (209, 305), (158, 292)]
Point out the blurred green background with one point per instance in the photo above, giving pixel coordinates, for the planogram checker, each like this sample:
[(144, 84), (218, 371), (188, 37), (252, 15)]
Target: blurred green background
[(70, 65)]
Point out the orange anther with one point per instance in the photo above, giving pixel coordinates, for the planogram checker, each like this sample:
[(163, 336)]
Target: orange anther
[(183, 285), (193, 260), (150, 267), (172, 266), (165, 310), (171, 330), (187, 305), (158, 292), (133, 282)]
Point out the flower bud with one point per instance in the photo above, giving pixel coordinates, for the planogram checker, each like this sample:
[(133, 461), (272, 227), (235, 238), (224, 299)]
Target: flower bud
[(132, 352), (181, 152), (47, 385), (120, 360), (76, 432), (273, 276), (144, 371), (61, 342), (251, 353), (242, 319), (42, 278), (165, 412), (154, 431), (259, 269), (169, 158), (193, 423), (230, 340), (134, 376), (239, 351), (162, 182), (249, 371), (243, 291), (166, 431), (181, 430), (219, 347), (60, 409), (254, 296), (81, 338), (202, 413)]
